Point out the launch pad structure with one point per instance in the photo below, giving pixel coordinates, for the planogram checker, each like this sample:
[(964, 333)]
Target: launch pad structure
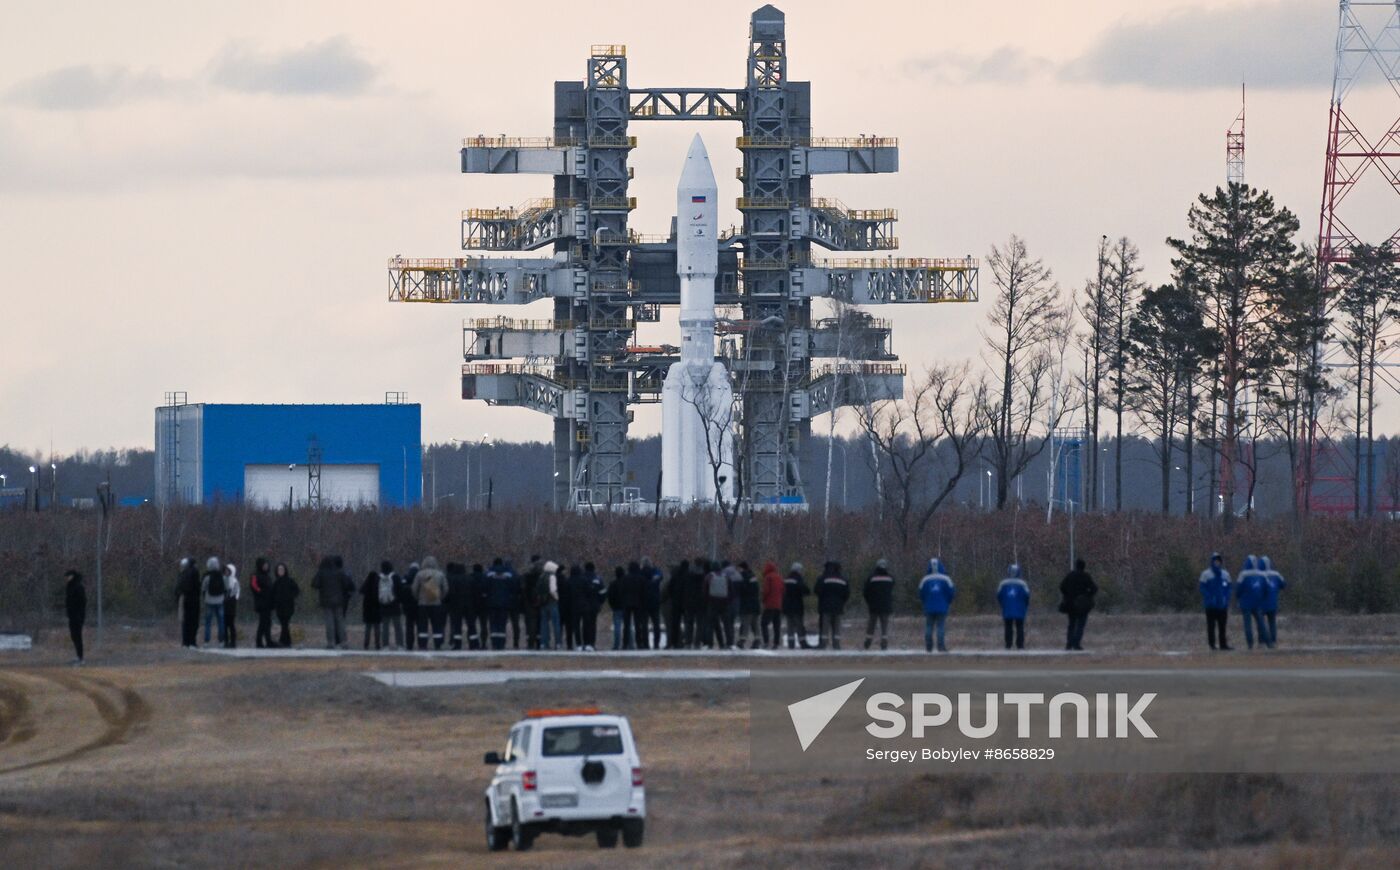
[(583, 366)]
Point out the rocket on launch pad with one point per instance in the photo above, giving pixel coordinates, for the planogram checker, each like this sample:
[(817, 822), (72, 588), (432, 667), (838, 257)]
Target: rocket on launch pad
[(697, 400)]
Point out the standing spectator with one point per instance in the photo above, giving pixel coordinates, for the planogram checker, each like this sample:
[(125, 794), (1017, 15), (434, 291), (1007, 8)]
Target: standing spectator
[(547, 594), (1014, 596), (1215, 599), (500, 596), (372, 611), (530, 603), (430, 588), (188, 595), (619, 618), (284, 601), (458, 603), (1275, 585), (674, 597), (936, 594), (696, 598), (717, 607), (734, 578), (633, 589), (750, 606), (576, 592), (260, 583), (1250, 588), (772, 620), (795, 591), (879, 603), (1077, 593), (390, 606), (832, 593), (75, 604), (567, 580), (589, 597), (408, 603), (334, 588), (651, 602), (212, 588), (231, 592), (478, 629)]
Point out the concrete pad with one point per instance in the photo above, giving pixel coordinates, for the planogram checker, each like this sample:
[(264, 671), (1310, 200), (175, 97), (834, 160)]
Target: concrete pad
[(439, 679), (16, 642)]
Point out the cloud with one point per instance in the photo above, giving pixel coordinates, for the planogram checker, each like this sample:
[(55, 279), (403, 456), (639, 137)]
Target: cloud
[(333, 67), (90, 87), (1279, 45), (1005, 65)]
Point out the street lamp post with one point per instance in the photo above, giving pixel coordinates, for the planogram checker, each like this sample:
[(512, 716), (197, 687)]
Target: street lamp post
[(990, 496), (34, 484), (475, 448), (53, 485)]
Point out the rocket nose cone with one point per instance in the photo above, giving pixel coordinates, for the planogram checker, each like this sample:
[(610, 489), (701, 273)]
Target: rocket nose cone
[(697, 172)]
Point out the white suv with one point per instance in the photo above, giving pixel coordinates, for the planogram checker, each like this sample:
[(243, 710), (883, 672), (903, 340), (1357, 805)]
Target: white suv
[(570, 772)]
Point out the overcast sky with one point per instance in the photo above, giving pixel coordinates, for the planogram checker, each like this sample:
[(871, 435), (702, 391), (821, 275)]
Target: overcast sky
[(202, 197)]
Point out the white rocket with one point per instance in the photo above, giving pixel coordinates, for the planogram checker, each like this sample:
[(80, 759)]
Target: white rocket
[(697, 401)]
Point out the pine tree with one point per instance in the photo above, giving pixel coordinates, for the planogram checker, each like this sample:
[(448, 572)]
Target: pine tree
[(1369, 302)]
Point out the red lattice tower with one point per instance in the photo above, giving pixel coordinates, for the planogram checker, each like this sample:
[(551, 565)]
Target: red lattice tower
[(1363, 48)]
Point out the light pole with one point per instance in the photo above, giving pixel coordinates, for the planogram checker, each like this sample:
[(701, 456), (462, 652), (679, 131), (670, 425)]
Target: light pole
[(554, 491), (439, 498), (104, 499), (34, 484), (989, 489), (475, 448), (1103, 483), (53, 485)]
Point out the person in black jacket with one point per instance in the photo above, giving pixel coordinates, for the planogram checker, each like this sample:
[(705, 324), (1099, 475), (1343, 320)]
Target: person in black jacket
[(284, 601), (832, 593), (694, 595), (372, 612), (75, 603), (589, 596), (879, 603), (408, 603), (1077, 593), (187, 594), (501, 589), (260, 585), (613, 597), (673, 596), (458, 602), (633, 584), (750, 605), (528, 604), (795, 589), (568, 619), (478, 629), (651, 605)]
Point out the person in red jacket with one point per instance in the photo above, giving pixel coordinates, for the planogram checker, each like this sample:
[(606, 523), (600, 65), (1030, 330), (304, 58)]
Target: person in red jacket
[(772, 606)]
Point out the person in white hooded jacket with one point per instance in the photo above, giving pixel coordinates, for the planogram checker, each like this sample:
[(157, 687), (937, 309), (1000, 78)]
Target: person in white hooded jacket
[(231, 591)]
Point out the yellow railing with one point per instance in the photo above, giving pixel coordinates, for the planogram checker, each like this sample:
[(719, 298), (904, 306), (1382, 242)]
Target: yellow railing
[(538, 204), (817, 142), (482, 141), (607, 49), (613, 202), (744, 202), (512, 324)]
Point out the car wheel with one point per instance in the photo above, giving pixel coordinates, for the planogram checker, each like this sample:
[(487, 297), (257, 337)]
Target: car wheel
[(632, 831), (607, 838), (521, 836), (497, 839)]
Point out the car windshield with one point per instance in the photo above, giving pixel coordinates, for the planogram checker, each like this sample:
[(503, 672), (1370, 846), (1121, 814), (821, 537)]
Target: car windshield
[(583, 740)]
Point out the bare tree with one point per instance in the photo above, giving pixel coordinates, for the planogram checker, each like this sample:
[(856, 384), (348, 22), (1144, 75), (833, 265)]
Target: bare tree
[(1123, 286), (925, 443), (1027, 321), (1097, 335)]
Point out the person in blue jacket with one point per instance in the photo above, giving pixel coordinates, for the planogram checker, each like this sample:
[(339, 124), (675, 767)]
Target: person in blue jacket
[(1215, 598), (1014, 596), (1274, 583), (1250, 588), (936, 592)]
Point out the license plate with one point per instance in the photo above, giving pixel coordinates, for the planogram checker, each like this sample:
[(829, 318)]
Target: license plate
[(556, 801)]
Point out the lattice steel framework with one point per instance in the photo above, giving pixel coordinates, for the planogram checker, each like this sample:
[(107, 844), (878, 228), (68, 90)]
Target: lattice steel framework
[(583, 367)]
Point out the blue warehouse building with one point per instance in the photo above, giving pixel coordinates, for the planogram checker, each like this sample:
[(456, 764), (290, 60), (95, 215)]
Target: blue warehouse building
[(275, 456)]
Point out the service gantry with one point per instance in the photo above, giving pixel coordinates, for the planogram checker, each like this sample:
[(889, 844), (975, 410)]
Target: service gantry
[(583, 367)]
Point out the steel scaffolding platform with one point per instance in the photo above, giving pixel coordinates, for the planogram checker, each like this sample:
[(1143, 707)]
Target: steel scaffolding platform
[(583, 367)]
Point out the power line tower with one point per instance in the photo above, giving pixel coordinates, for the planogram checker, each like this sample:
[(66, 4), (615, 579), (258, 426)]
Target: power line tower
[(1363, 42)]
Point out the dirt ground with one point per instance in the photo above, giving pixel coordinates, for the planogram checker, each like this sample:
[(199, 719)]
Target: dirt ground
[(154, 756)]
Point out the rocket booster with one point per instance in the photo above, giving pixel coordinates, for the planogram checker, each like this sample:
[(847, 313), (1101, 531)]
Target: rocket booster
[(697, 400), (697, 253)]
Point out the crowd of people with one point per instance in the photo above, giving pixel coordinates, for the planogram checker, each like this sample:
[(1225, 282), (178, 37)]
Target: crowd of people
[(698, 604)]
